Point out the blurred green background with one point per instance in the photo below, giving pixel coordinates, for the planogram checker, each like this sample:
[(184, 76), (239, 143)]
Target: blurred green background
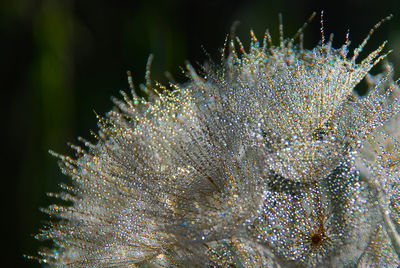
[(62, 59)]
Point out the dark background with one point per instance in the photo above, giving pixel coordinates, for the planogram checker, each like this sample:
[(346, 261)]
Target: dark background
[(62, 59)]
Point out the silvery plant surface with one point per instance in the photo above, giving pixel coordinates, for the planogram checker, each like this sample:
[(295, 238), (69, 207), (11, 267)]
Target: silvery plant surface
[(267, 159)]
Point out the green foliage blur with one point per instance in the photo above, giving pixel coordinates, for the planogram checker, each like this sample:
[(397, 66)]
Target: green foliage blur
[(63, 59)]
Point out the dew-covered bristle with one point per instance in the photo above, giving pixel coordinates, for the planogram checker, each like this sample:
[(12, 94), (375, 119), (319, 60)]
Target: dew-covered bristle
[(269, 159)]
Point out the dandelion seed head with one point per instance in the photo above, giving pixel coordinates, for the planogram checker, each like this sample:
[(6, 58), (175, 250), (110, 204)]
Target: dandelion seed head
[(268, 159)]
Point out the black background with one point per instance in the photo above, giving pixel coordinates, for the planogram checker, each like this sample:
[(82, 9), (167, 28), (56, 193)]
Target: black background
[(62, 59)]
